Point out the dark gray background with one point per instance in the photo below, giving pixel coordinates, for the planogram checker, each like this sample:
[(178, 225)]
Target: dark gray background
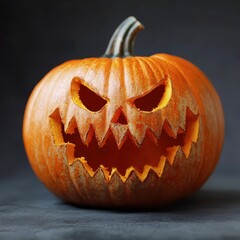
[(37, 35)]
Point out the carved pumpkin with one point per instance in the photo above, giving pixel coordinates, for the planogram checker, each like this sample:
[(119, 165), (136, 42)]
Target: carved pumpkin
[(122, 130)]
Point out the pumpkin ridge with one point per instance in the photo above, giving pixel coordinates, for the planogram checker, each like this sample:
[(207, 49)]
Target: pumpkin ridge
[(74, 175), (157, 68), (120, 133), (75, 185), (107, 73), (148, 74), (193, 108), (51, 173), (59, 81), (154, 66)]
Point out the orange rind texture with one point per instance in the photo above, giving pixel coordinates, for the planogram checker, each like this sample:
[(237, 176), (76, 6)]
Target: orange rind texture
[(122, 153)]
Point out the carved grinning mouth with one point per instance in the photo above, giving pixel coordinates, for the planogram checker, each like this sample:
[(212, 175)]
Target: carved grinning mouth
[(151, 154)]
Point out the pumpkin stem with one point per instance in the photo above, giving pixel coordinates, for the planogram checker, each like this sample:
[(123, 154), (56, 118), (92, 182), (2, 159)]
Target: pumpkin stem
[(122, 42)]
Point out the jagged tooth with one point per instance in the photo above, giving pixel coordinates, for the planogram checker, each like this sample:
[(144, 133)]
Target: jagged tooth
[(115, 172), (194, 109), (122, 177), (105, 172), (70, 152), (101, 125), (84, 126), (154, 169), (196, 132), (62, 112), (172, 120), (193, 126), (120, 133), (183, 118), (70, 126), (116, 188), (138, 132), (190, 104), (172, 151), (157, 132), (78, 174), (151, 173), (130, 188), (161, 165), (55, 125), (86, 166), (89, 135), (131, 174), (129, 171), (91, 186), (180, 155), (99, 188), (56, 116), (191, 134), (150, 134), (101, 131), (100, 174), (142, 176), (158, 170), (187, 148), (169, 129), (69, 115), (101, 141), (157, 126), (180, 130)]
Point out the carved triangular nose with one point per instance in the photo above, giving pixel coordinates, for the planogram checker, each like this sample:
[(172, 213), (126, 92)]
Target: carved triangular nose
[(119, 118)]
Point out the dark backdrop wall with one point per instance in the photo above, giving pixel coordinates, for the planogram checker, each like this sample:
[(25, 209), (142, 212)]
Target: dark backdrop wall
[(37, 35)]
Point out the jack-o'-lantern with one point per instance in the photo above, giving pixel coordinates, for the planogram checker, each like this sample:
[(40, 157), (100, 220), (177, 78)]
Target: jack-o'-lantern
[(124, 131)]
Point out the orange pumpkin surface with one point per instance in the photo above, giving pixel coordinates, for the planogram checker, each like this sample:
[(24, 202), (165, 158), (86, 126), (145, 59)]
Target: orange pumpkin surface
[(121, 130)]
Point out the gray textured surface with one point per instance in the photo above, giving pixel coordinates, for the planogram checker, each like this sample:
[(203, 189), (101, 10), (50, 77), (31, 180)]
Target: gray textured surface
[(29, 211)]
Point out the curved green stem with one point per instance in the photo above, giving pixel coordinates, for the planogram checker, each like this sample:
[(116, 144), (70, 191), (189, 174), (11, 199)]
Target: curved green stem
[(122, 42)]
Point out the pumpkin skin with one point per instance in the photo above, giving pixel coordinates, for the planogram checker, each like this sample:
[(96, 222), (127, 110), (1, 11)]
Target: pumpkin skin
[(94, 139)]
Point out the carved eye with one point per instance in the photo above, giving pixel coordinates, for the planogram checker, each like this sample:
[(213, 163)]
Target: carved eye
[(151, 100), (86, 98), (156, 99)]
